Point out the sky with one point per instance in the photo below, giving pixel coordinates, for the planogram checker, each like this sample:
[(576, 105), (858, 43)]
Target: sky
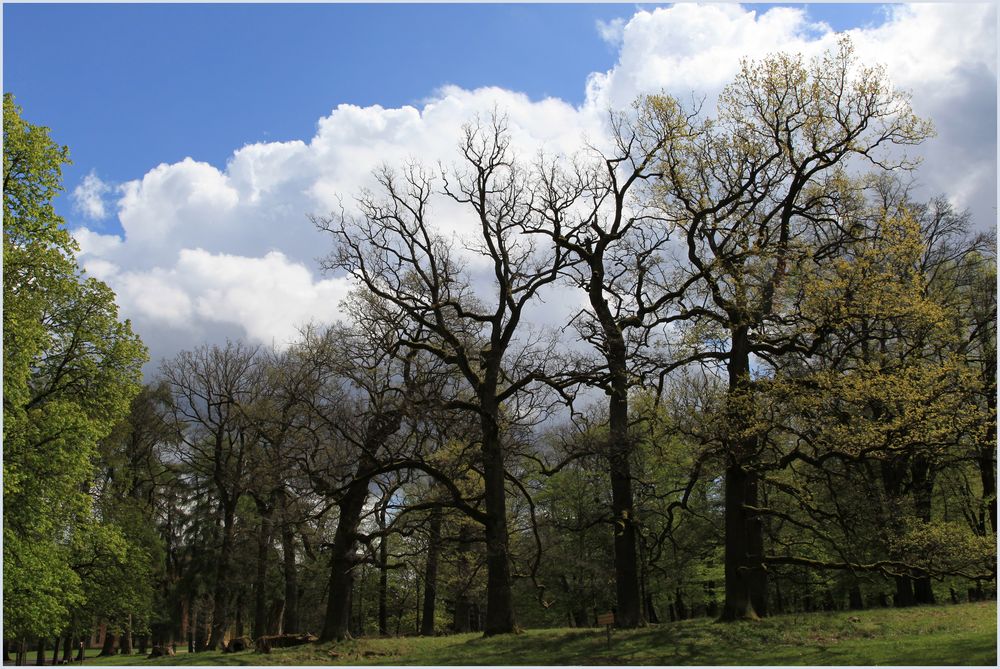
[(202, 136)]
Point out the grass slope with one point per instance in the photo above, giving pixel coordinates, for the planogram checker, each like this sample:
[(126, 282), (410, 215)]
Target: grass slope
[(965, 634)]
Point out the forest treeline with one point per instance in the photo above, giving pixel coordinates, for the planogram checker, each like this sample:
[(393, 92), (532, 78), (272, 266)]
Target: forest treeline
[(778, 394)]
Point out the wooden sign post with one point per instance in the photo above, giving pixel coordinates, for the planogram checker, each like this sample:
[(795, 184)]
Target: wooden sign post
[(607, 619)]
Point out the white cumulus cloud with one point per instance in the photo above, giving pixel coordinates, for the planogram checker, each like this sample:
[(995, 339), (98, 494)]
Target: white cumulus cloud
[(209, 251), (88, 197), (611, 31)]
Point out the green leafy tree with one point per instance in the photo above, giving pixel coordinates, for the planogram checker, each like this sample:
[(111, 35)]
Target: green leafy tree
[(753, 194), (70, 370)]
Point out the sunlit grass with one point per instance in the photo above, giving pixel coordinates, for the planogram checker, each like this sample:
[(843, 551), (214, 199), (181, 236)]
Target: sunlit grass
[(964, 634)]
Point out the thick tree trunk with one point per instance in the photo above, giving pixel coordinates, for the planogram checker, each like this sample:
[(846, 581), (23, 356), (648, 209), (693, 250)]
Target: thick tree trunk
[(126, 643), (56, 647), (430, 574), (108, 648), (499, 595), (626, 564), (629, 603), (336, 626), (220, 609), (745, 589), (893, 475), (746, 580), (289, 568), (40, 652)]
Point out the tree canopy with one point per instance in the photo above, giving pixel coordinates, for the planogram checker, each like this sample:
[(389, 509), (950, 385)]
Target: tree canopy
[(71, 369)]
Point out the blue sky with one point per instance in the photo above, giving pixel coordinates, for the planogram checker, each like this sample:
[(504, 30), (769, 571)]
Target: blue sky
[(127, 87), (204, 135)]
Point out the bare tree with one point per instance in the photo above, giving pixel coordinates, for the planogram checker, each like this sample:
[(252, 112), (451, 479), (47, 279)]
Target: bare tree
[(393, 249), (212, 387), (601, 214)]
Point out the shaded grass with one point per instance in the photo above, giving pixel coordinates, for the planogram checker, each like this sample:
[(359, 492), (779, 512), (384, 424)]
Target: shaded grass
[(964, 634)]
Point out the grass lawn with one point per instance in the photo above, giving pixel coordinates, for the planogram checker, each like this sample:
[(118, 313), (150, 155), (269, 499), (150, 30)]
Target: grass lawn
[(960, 634)]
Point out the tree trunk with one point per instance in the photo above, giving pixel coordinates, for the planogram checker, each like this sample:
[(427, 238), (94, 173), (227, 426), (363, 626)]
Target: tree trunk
[(289, 568), (738, 604), (56, 647), (126, 643), (383, 584), (239, 613), (274, 617), (220, 609), (987, 451), (418, 602), (682, 609), (987, 469), (108, 648), (499, 595), (779, 601), (626, 573), (430, 574), (855, 601), (359, 587), (40, 653), (904, 592), (336, 626), (712, 608), (651, 615), (200, 625), (462, 621), (192, 626), (746, 580), (629, 603), (923, 489), (260, 584)]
